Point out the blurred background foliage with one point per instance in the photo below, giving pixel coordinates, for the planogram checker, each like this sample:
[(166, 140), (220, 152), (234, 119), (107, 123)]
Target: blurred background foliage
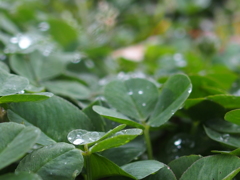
[(68, 47)]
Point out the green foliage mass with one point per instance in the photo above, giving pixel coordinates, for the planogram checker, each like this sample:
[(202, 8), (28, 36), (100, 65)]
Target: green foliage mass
[(119, 90)]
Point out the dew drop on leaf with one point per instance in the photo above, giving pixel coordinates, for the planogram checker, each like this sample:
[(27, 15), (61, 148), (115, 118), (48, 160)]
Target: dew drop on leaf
[(140, 92), (78, 141)]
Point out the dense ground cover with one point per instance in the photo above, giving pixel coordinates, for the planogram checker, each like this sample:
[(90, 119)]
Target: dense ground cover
[(119, 90)]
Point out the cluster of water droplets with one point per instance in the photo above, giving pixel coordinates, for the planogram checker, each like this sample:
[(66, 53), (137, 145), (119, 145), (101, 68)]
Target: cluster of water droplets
[(81, 137), (180, 145), (224, 137)]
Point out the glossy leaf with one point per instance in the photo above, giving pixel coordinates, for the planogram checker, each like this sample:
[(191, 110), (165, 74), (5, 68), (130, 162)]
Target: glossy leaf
[(59, 161), (102, 167), (163, 173), (180, 165), (142, 169), (232, 174), (55, 117), (43, 138), (4, 67), (11, 84), (231, 140), (16, 140), (233, 116), (37, 67), (115, 116), (25, 97), (70, 89), (174, 93), (134, 97), (118, 139), (113, 131), (126, 153), (20, 176), (99, 122), (212, 167), (223, 126)]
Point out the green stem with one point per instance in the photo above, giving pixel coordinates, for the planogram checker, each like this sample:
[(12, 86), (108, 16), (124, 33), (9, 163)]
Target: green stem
[(87, 155), (148, 141)]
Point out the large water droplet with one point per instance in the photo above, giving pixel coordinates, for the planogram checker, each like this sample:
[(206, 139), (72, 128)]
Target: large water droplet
[(78, 141), (189, 90), (81, 137)]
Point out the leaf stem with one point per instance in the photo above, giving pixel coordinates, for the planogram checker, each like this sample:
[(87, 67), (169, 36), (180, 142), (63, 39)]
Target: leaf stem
[(87, 155), (148, 141)]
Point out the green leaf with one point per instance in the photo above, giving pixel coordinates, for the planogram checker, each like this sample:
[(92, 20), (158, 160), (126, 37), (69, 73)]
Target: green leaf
[(58, 161), (127, 152), (231, 140), (225, 100), (115, 116), (180, 165), (37, 67), (233, 116), (134, 97), (174, 93), (142, 169), (102, 167), (99, 122), (120, 138), (70, 89), (11, 84), (232, 174), (220, 125), (16, 140), (4, 67), (212, 167), (55, 117), (20, 176), (112, 131), (163, 173), (43, 139), (59, 29), (25, 97)]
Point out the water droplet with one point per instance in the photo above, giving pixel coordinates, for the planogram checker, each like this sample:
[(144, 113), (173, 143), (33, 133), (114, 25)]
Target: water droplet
[(21, 92), (78, 141), (76, 58), (65, 162), (179, 60), (189, 90), (24, 42), (225, 137), (178, 142), (168, 167), (43, 26), (140, 92), (14, 40), (119, 133), (90, 64), (76, 173), (143, 104), (130, 93), (95, 136)]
